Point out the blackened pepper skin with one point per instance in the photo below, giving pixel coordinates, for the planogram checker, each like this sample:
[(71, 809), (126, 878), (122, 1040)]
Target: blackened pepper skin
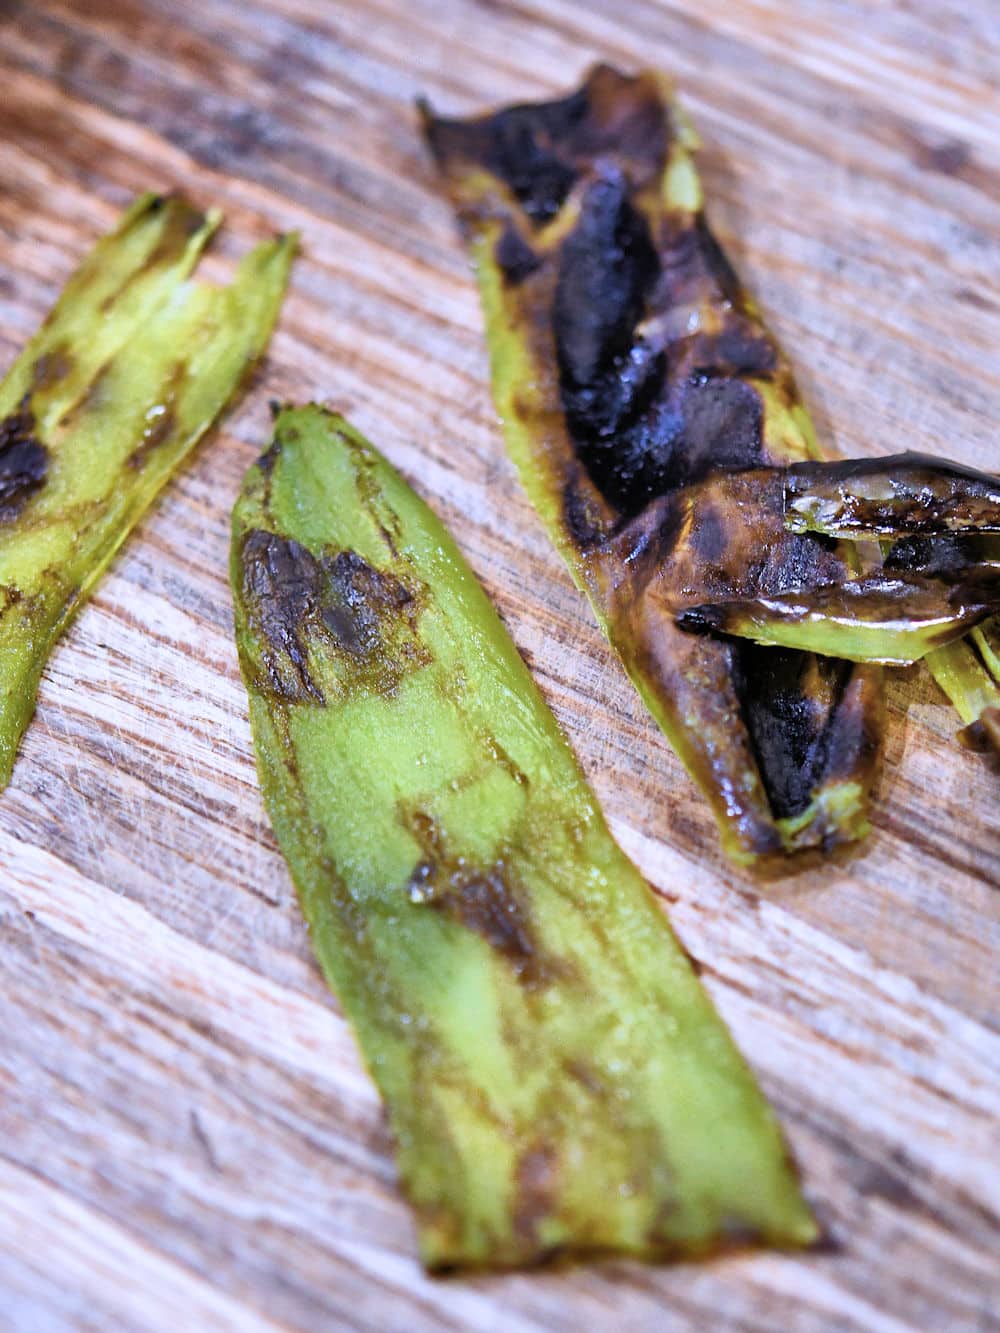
[(637, 384)]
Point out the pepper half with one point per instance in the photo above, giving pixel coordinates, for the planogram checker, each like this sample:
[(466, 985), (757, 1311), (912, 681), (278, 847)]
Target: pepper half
[(556, 1078), (127, 373), (636, 382)]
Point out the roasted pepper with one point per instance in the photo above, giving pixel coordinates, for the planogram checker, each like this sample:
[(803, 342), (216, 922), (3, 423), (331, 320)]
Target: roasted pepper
[(936, 583), (556, 1078), (636, 381), (129, 370)]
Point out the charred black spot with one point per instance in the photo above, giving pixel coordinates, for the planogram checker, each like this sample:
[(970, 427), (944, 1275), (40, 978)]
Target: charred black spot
[(706, 619), (640, 429), (710, 538), (944, 557), (24, 463), (800, 561), (270, 456), (742, 351), (515, 257), (606, 266), (787, 700), (723, 420), (607, 379), (524, 151), (525, 146), (540, 150), (338, 601)]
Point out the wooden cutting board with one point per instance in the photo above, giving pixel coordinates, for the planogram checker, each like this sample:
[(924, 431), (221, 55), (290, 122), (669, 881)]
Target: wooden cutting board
[(187, 1138)]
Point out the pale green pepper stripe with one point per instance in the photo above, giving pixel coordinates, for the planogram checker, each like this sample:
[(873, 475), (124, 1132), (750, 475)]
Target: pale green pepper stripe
[(116, 437), (108, 300), (881, 618), (555, 1075)]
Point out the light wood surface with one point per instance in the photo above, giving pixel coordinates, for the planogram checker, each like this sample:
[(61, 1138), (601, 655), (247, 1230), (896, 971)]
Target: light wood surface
[(187, 1138)]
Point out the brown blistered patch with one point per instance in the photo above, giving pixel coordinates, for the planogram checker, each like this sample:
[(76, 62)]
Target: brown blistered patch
[(24, 462), (334, 609), (488, 900), (51, 368), (536, 1189)]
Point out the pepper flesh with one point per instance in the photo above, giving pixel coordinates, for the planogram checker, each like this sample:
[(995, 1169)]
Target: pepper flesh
[(130, 369), (555, 1076), (893, 621), (634, 375)]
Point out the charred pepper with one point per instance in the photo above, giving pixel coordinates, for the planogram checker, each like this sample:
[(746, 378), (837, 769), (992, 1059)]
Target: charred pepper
[(555, 1076), (938, 581), (636, 382)]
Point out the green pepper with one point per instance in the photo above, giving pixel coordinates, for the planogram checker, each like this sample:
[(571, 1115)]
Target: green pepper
[(130, 369), (634, 376), (556, 1078)]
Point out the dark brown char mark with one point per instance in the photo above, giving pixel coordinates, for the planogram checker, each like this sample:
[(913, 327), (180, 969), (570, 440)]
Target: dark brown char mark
[(654, 359), (486, 900), (367, 616), (24, 463)]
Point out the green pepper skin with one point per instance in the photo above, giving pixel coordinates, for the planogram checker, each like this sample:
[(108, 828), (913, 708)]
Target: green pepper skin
[(890, 620), (130, 369), (633, 372), (969, 673), (556, 1078)]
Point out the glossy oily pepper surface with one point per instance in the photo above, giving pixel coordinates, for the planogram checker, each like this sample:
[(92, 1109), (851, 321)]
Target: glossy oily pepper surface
[(636, 381), (127, 373), (556, 1079)]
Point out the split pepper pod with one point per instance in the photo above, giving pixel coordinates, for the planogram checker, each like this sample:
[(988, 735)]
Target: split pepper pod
[(555, 1076), (119, 384)]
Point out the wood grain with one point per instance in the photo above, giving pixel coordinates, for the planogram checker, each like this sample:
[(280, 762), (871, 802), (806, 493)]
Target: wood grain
[(187, 1138)]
